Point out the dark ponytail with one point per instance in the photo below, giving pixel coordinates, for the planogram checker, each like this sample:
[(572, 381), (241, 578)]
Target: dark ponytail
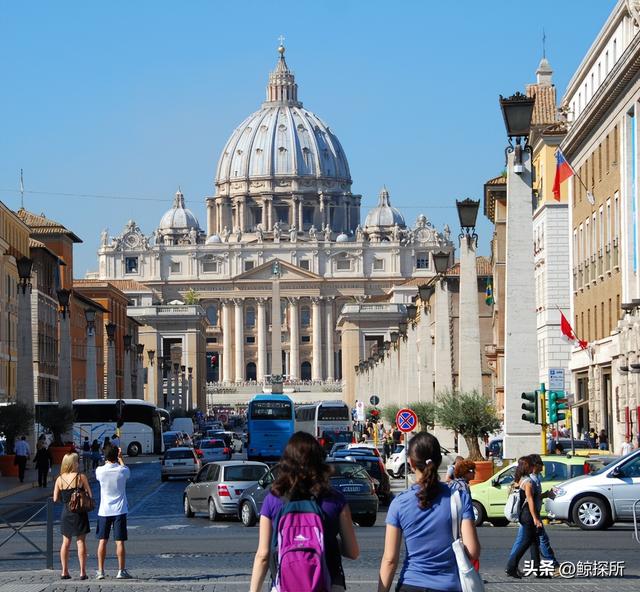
[(424, 451)]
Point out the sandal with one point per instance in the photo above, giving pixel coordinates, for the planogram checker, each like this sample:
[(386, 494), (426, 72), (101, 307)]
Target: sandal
[(67, 577)]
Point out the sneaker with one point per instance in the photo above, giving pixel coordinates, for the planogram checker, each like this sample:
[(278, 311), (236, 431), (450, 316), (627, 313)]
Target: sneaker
[(123, 574), (99, 575)]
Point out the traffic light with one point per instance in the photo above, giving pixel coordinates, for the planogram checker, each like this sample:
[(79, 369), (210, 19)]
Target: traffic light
[(530, 405), (556, 406)]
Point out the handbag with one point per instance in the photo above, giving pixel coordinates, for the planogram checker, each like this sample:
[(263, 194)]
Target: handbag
[(470, 580), (80, 500)]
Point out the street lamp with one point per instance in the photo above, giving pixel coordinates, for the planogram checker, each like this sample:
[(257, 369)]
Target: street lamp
[(127, 342), (111, 331), (394, 337), (468, 213), (440, 262), (90, 316), (24, 265), (402, 327), (151, 354), (517, 111), (140, 349), (412, 311), (63, 300)]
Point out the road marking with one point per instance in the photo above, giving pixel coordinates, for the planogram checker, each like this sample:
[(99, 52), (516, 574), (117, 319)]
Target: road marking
[(218, 526), (173, 526)]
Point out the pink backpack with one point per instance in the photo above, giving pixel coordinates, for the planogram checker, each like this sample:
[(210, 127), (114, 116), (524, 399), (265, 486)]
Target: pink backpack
[(297, 548)]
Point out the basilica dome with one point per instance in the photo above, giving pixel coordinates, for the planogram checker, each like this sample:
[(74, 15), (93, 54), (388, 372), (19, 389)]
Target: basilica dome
[(178, 218), (384, 215), (282, 141)]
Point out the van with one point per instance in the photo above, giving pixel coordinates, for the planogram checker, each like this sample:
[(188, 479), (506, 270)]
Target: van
[(183, 424)]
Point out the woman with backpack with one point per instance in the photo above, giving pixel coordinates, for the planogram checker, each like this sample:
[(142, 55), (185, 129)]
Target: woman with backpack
[(301, 504), (423, 516), (527, 517)]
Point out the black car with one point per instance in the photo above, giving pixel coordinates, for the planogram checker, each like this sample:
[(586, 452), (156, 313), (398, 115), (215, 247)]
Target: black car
[(348, 477)]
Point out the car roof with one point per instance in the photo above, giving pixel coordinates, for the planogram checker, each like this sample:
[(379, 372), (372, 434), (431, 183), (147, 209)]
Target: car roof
[(239, 463), (179, 448)]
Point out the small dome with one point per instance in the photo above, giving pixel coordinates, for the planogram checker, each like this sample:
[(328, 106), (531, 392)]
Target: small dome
[(214, 238), (342, 238), (384, 214), (178, 218)]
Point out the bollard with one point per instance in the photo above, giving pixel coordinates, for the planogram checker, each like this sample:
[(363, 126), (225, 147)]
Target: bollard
[(49, 533)]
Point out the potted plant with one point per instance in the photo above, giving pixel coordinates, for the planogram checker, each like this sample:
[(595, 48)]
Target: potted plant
[(15, 419), (473, 416), (59, 421)]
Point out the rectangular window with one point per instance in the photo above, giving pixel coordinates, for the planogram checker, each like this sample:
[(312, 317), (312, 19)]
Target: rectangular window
[(616, 216), (601, 231), (343, 264), (209, 266), (304, 264), (594, 230), (600, 162), (602, 333), (422, 261), (607, 155), (587, 240), (307, 215), (607, 223), (131, 264), (378, 264), (610, 325), (251, 339), (306, 339), (175, 267), (248, 265)]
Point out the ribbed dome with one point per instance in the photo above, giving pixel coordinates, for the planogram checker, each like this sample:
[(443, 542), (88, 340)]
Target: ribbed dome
[(342, 238), (213, 239), (282, 140), (384, 214), (178, 218)]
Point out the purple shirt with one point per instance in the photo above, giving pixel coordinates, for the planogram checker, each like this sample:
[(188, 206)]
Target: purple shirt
[(331, 505)]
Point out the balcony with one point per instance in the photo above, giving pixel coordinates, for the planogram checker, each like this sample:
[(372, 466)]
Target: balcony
[(166, 311)]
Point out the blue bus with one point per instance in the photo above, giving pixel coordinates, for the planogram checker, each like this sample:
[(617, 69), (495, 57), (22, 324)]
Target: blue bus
[(270, 424)]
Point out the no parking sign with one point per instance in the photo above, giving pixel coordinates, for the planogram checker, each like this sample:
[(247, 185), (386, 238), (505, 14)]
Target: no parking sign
[(406, 420)]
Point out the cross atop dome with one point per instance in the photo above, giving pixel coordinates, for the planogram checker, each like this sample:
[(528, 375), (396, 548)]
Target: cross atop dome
[(282, 87)]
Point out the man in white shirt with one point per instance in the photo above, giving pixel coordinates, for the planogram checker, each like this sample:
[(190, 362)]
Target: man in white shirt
[(112, 476), (23, 453), (627, 447)]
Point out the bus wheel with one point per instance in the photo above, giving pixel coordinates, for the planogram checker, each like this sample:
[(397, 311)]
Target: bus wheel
[(134, 449)]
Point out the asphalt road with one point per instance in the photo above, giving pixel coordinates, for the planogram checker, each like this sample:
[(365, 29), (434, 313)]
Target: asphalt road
[(169, 549)]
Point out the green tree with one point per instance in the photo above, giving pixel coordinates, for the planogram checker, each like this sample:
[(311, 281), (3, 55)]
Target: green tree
[(426, 413), (389, 413), (470, 414), (15, 420), (191, 296), (58, 419)]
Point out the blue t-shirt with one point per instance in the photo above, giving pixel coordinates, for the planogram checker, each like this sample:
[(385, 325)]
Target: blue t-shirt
[(429, 560)]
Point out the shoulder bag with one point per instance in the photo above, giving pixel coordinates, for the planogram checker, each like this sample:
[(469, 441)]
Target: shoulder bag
[(80, 500), (470, 580)]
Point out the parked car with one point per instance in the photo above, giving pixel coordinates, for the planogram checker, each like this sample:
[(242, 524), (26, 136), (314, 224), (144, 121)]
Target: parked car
[(373, 465), (232, 440), (349, 477), (213, 450), (395, 462), (596, 500), (337, 446), (490, 496), (179, 462), (173, 438), (372, 448), (218, 486), (494, 448)]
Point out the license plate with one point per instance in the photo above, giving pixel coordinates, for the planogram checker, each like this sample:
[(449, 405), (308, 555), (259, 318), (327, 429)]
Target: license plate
[(351, 489)]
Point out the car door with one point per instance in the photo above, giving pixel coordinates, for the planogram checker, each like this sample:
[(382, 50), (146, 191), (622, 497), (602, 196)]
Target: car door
[(499, 491), (196, 489), (209, 487), (625, 487)]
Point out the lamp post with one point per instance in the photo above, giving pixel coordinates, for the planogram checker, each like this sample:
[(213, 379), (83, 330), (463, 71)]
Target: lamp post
[(92, 372), (111, 360), (64, 361), (24, 387), (139, 371), (190, 388), (183, 388), (469, 358), (521, 355), (176, 377), (152, 378), (126, 339)]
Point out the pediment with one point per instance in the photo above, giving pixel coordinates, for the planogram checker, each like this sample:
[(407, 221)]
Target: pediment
[(287, 272)]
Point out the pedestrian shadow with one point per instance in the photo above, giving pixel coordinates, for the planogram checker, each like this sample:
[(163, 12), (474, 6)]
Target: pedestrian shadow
[(197, 578)]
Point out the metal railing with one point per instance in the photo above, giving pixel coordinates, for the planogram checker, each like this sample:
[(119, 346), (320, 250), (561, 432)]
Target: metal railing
[(47, 506)]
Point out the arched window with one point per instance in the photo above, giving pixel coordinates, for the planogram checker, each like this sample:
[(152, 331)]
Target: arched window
[(250, 316), (251, 371), (305, 371), (212, 314), (305, 316)]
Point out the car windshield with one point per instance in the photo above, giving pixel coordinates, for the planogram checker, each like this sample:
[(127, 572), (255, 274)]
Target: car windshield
[(372, 467), (244, 473), (212, 444), (606, 467), (176, 454), (399, 448), (353, 470)]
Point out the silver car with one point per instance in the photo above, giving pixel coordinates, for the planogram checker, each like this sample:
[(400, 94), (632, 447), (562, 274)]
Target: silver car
[(218, 486), (213, 450), (597, 500), (179, 462)]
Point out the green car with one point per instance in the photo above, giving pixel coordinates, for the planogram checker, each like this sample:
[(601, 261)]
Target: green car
[(490, 496)]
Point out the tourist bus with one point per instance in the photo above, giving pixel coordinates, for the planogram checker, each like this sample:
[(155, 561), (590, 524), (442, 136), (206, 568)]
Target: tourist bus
[(140, 424), (270, 424), (328, 421)]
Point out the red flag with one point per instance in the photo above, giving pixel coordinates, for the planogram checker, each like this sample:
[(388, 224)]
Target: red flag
[(565, 328), (563, 172)]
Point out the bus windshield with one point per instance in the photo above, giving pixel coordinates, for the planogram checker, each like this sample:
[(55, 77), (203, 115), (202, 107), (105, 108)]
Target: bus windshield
[(326, 413), (270, 410)]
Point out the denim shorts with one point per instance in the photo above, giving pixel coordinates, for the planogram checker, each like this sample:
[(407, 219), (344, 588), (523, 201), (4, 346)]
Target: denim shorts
[(119, 523)]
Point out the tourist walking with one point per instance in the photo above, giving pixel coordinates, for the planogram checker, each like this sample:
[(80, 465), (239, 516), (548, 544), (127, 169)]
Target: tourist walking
[(72, 524), (603, 441), (95, 454), (112, 477), (627, 446), (422, 515), (23, 454), (463, 472), (544, 544), (86, 455), (528, 518), (43, 462), (302, 494)]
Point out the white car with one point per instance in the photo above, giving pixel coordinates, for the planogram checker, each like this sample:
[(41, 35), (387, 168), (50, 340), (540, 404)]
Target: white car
[(395, 463)]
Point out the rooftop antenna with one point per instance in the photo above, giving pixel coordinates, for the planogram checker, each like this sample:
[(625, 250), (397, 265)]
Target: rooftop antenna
[(544, 43), (21, 191)]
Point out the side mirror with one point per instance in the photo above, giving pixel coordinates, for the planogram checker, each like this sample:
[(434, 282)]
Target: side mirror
[(495, 483), (617, 473), (261, 482)]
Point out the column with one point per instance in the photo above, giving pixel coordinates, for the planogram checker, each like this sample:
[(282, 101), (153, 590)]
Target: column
[(140, 372), (191, 403), (269, 214), (211, 217), (111, 368), (65, 397), (300, 214), (425, 357), (520, 342), (92, 378), (262, 339), (152, 381), (469, 361), (239, 339), (226, 341), (294, 338), (24, 387), (444, 379), (264, 214), (316, 367), (276, 327), (127, 367), (330, 331), (184, 393)]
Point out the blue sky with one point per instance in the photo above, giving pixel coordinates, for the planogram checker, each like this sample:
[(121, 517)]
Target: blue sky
[(128, 100)]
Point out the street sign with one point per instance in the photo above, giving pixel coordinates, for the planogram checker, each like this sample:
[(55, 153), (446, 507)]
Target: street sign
[(556, 379), (359, 410), (374, 400), (406, 420)]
